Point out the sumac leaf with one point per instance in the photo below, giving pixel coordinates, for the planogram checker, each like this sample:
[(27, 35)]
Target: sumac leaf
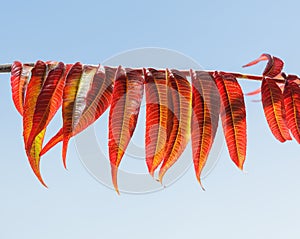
[(233, 116), (19, 79), (156, 117), (97, 101), (33, 90), (126, 100), (273, 105), (205, 117), (180, 103), (49, 100), (292, 107), (273, 67)]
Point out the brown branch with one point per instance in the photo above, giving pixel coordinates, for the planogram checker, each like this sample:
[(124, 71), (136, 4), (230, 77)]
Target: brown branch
[(6, 68)]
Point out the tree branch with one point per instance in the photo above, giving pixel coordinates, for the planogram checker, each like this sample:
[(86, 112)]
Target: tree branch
[(6, 68)]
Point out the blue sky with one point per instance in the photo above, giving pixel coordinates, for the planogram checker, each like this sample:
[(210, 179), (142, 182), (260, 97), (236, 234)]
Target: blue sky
[(221, 35)]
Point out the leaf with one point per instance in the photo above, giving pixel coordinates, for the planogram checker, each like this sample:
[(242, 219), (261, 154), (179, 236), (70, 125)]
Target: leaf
[(97, 101), (19, 79), (77, 85), (156, 117), (34, 87), (291, 95), (273, 105), (180, 92), (273, 67), (205, 117), (49, 100), (233, 116), (98, 97), (123, 114)]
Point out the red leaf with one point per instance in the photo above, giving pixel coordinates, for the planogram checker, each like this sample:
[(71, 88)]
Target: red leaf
[(156, 117), (98, 98), (19, 80), (205, 117), (273, 67), (233, 115), (97, 101), (123, 114), (74, 100), (33, 90), (180, 103), (48, 101), (292, 107), (69, 96), (273, 104)]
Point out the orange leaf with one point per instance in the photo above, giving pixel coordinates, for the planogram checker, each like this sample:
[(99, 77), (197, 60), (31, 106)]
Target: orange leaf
[(292, 107), (180, 103), (98, 98), (97, 101), (48, 101), (156, 117), (205, 117), (74, 100), (19, 80), (33, 90), (273, 104), (273, 67), (123, 114), (233, 116)]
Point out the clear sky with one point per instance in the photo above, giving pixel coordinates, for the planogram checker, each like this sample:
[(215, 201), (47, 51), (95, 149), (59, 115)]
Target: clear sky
[(221, 35)]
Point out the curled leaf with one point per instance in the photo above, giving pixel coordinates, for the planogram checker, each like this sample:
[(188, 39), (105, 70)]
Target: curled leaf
[(273, 105), (273, 67), (126, 100), (233, 116)]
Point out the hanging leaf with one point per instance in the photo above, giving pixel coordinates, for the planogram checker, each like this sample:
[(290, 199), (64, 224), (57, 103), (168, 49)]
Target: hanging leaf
[(49, 100), (273, 104), (98, 97), (156, 117), (233, 116), (19, 79), (180, 94), (77, 85), (292, 107), (123, 114), (97, 101), (34, 87), (205, 117), (273, 67)]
